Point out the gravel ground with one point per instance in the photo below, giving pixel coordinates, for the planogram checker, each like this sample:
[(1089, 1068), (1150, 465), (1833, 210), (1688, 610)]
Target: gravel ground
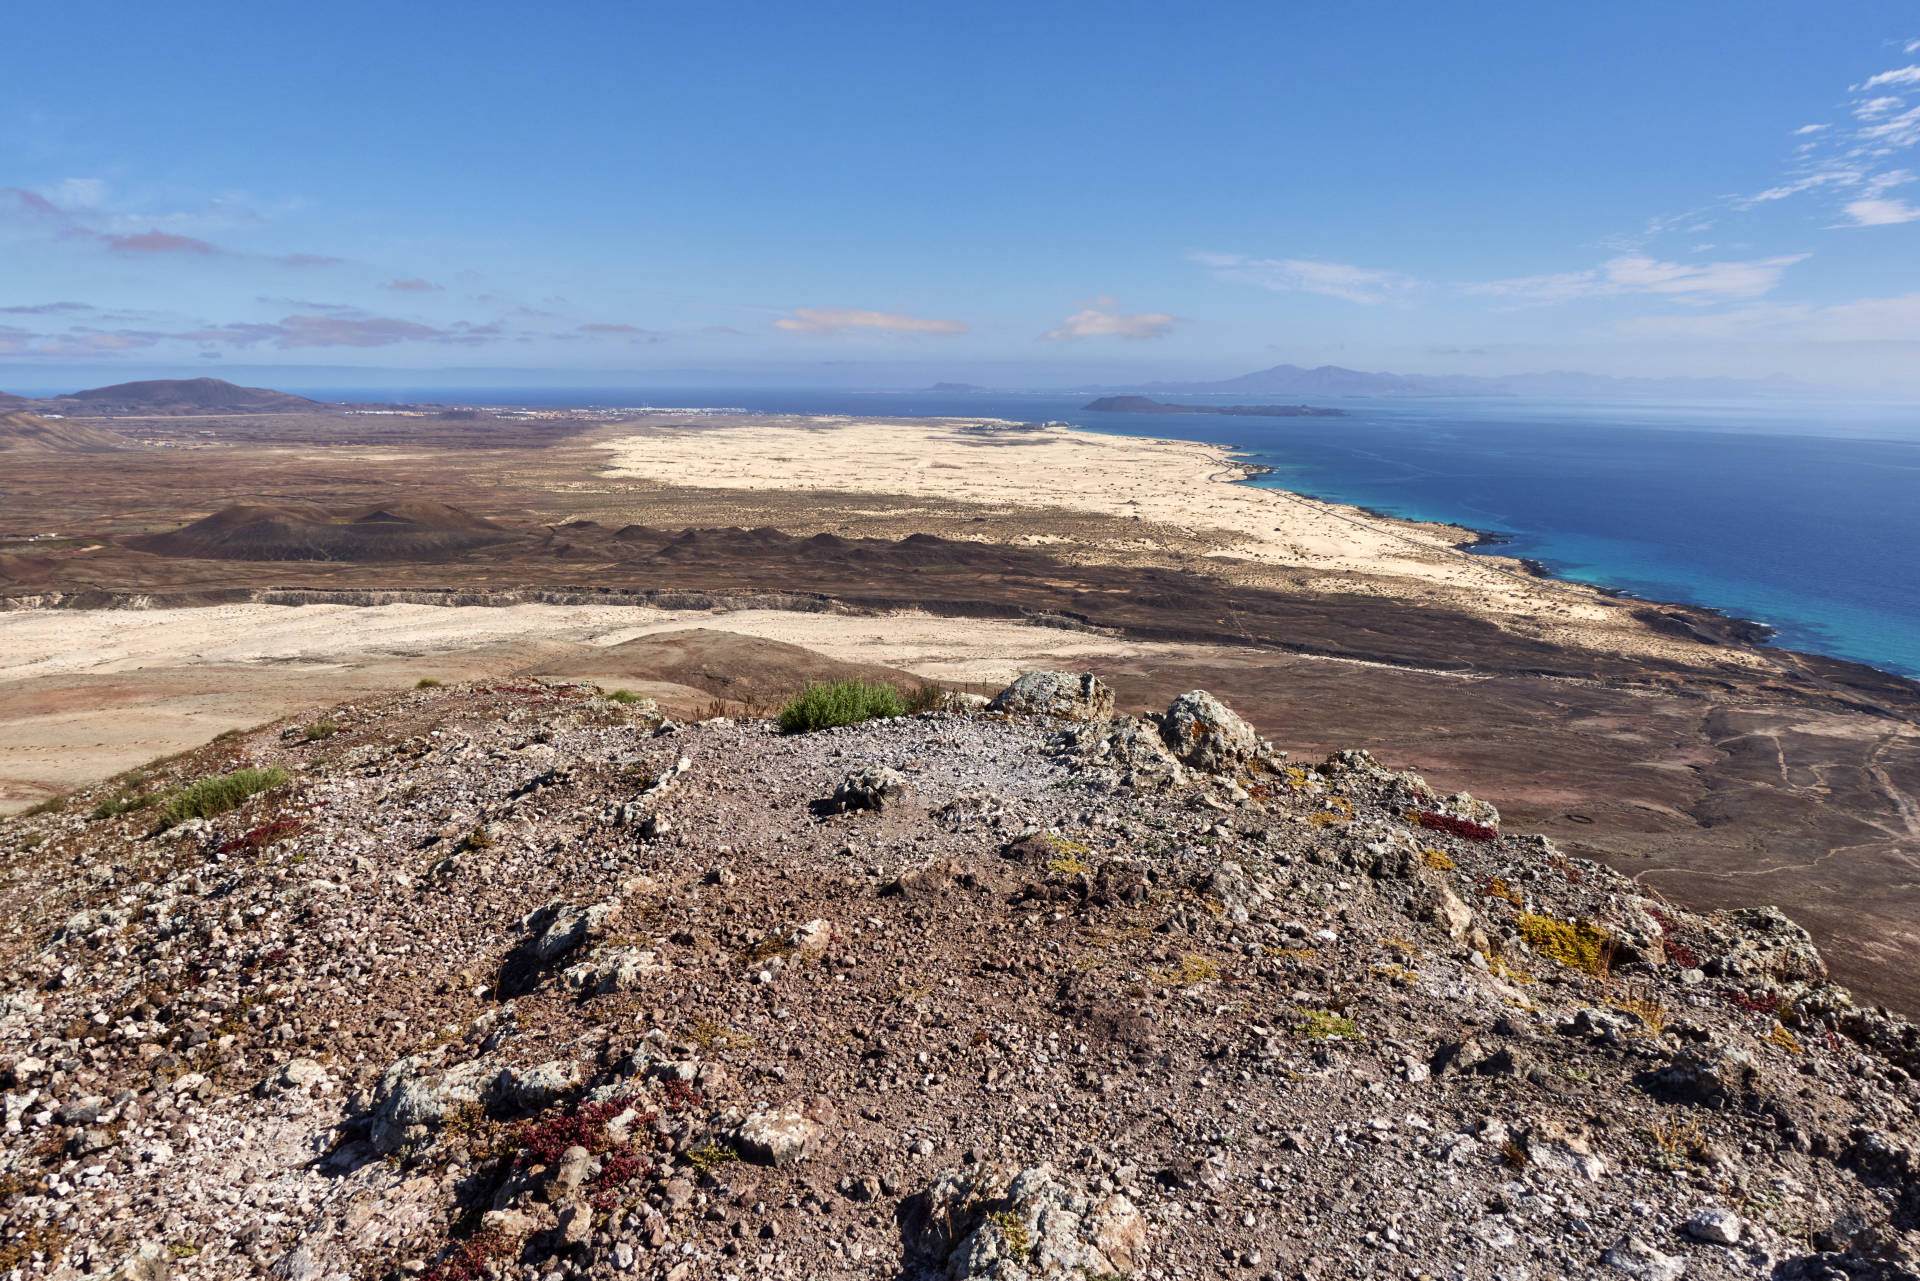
[(519, 981)]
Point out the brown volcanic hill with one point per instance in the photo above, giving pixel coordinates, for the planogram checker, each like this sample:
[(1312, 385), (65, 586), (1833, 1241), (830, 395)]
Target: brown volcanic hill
[(27, 431), (507, 978), (415, 530), (743, 669), (8, 400), (422, 512), (182, 396)]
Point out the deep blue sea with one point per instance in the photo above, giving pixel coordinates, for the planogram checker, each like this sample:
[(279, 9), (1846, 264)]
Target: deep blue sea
[(1803, 516)]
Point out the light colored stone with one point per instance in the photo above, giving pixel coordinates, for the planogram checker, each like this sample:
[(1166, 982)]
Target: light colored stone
[(531, 1089), (776, 1137), (1080, 698), (1642, 1262), (1716, 1225), (1204, 735)]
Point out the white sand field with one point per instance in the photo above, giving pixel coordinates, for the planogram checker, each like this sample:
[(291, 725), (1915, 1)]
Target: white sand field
[(84, 694)]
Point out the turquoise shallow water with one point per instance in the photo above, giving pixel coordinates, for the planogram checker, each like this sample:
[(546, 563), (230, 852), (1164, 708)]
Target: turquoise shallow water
[(1805, 517)]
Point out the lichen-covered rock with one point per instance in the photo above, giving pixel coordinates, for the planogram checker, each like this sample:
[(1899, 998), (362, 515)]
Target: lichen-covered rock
[(559, 927), (617, 969), (777, 1137), (988, 1222), (1642, 1262), (1768, 945), (1081, 698), (872, 787), (415, 1095), (1552, 1146), (539, 1086), (1204, 735), (1712, 1074)]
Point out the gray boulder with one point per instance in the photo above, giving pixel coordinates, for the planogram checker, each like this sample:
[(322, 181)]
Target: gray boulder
[(1080, 698), (964, 1222), (777, 1137), (415, 1095), (559, 927), (872, 787), (1201, 731)]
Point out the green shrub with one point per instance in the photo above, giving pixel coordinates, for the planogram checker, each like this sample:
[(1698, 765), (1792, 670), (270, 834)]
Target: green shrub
[(52, 805), (126, 799), (841, 703), (214, 796), (623, 696), (426, 682), (926, 697), (320, 731)]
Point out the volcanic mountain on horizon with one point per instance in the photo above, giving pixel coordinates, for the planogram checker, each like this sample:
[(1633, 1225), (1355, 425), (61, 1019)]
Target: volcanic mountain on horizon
[(412, 529), (27, 431), (177, 396)]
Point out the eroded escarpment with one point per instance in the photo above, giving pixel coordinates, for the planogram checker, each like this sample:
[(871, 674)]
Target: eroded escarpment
[(516, 980)]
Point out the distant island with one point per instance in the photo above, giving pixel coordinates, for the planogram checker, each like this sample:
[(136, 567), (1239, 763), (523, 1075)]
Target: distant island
[(1142, 405)]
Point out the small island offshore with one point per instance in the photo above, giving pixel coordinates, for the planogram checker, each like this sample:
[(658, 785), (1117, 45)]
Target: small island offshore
[(1145, 405)]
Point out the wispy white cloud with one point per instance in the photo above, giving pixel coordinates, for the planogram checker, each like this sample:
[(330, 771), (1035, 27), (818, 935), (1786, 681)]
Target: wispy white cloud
[(1311, 275), (822, 320), (1691, 283), (1847, 161), (1093, 323), (1898, 76), (1865, 320), (1880, 213)]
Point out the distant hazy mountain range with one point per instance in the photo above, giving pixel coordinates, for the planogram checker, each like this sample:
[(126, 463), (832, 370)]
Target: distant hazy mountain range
[(1332, 380), (1147, 405)]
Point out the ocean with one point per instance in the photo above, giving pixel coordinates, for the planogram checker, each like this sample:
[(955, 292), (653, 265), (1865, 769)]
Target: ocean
[(1802, 516)]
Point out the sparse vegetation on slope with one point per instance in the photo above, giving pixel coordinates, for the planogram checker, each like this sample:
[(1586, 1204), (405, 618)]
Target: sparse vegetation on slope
[(842, 703), (525, 984), (212, 797)]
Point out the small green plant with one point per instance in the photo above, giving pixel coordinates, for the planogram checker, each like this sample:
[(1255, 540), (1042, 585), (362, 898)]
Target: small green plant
[(841, 703), (1675, 1142), (52, 805), (1321, 1025), (925, 697), (1191, 970), (623, 696), (710, 1036), (211, 797), (1014, 1230), (711, 1156), (183, 1249), (1513, 1154), (426, 682), (1070, 860), (320, 731), (127, 799), (1578, 945)]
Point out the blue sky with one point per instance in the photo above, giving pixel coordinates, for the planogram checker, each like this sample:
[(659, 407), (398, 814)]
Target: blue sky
[(1017, 194)]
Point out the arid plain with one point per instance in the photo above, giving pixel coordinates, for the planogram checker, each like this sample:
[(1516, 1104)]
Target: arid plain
[(171, 577)]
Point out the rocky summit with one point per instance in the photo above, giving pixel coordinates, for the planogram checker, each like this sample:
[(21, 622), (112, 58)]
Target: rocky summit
[(520, 981)]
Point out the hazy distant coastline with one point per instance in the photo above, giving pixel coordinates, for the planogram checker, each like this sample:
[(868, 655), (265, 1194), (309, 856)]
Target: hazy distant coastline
[(1146, 405)]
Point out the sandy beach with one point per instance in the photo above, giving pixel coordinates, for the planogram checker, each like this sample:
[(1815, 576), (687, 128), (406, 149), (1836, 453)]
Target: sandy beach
[(1169, 487)]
